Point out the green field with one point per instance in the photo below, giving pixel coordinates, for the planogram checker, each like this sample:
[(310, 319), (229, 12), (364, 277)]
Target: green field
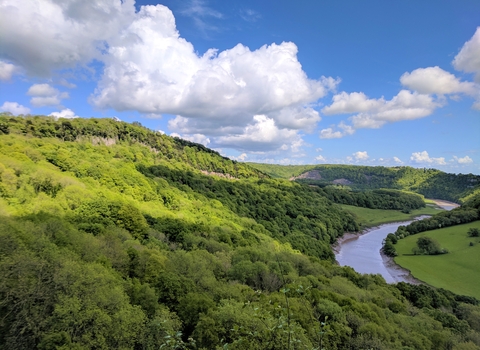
[(457, 271), (374, 217)]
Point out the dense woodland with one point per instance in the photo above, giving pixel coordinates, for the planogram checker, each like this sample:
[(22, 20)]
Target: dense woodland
[(431, 183), (113, 236), (374, 199)]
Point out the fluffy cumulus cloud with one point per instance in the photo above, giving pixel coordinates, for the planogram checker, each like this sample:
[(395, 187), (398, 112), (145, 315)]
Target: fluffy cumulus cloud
[(242, 157), (374, 113), (262, 136), (74, 31), (468, 59), (331, 133), (7, 70), (434, 80), (66, 113), (160, 72), (45, 95), (352, 103), (361, 155), (424, 158), (464, 160), (397, 160), (252, 100), (14, 108), (149, 68), (427, 86)]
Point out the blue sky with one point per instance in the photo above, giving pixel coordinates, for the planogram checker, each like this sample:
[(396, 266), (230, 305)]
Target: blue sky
[(351, 82)]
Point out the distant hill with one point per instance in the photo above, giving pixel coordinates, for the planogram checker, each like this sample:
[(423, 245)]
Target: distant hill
[(431, 183)]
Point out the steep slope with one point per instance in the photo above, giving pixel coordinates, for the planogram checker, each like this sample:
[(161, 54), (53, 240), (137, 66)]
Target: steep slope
[(116, 237)]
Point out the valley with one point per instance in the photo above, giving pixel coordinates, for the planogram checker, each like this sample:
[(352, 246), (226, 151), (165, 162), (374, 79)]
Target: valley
[(116, 236)]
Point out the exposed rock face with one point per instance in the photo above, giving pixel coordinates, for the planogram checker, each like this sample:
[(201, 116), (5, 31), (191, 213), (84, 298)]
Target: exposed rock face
[(316, 175), (342, 182), (312, 175), (212, 173)]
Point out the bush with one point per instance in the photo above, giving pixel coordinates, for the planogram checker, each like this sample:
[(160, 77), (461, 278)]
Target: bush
[(473, 232)]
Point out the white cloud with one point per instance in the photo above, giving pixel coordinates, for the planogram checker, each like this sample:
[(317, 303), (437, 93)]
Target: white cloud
[(7, 70), (59, 34), (64, 113), (45, 95), (352, 103), (149, 68), (242, 157), (404, 106), (14, 108), (161, 73), (262, 135), (397, 160), (66, 83), (152, 116), (374, 113), (464, 160), (320, 158), (361, 155), (217, 93), (434, 80), (42, 90), (423, 157), (301, 118), (330, 133), (468, 59)]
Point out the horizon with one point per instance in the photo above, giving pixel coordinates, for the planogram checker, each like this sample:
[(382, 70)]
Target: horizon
[(276, 82)]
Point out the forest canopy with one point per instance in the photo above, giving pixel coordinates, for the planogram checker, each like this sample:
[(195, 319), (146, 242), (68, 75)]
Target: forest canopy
[(113, 236)]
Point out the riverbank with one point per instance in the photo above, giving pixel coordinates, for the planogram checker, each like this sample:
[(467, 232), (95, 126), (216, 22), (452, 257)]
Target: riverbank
[(362, 251), (398, 272), (445, 204), (348, 236), (371, 218), (365, 254)]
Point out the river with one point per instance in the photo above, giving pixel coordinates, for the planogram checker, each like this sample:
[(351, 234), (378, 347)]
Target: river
[(363, 251)]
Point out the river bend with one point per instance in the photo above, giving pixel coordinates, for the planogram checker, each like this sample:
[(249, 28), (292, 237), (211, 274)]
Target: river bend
[(363, 251)]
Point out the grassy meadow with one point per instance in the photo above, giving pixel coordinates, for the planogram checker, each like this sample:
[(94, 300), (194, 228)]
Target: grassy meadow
[(456, 271), (374, 217)]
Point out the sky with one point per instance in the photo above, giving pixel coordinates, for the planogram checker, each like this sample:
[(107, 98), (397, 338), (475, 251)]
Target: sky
[(373, 82)]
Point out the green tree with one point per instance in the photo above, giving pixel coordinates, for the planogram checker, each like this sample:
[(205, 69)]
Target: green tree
[(428, 246)]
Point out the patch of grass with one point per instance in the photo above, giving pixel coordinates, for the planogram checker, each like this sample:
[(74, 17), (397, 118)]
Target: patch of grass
[(456, 271), (374, 217)]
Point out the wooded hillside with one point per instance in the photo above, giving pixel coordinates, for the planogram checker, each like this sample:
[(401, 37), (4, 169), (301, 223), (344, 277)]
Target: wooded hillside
[(113, 236)]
